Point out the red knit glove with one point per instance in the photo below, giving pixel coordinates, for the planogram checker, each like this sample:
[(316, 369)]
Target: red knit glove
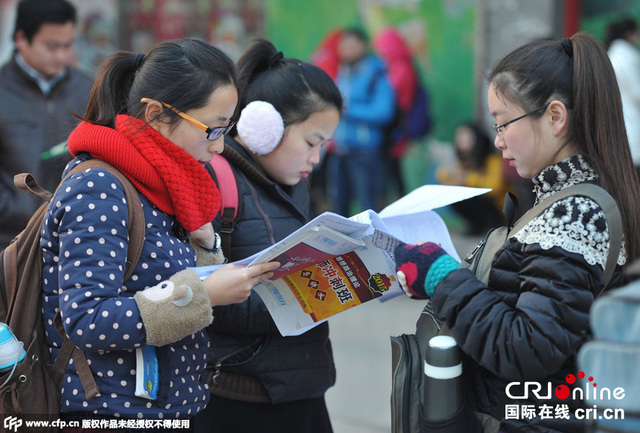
[(420, 268)]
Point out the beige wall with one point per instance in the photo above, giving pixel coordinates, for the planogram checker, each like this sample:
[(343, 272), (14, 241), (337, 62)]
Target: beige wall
[(504, 25)]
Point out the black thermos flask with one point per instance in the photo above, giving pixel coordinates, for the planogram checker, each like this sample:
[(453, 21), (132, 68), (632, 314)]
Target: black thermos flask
[(442, 379)]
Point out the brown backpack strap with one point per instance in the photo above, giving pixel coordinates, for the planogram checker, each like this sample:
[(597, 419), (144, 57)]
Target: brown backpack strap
[(68, 350), (134, 206), (136, 242), (27, 183)]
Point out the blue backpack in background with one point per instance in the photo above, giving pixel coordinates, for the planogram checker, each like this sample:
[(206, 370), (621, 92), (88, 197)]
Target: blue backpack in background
[(612, 360), (416, 123)]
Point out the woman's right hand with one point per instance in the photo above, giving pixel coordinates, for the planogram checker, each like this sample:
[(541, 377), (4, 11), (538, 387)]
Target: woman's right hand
[(231, 284)]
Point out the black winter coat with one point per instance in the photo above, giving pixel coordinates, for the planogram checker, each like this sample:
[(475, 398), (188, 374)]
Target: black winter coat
[(528, 323), (290, 368)]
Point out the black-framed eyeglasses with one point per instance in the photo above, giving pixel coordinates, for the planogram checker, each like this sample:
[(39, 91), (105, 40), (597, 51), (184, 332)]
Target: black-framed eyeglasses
[(212, 133), (499, 128)]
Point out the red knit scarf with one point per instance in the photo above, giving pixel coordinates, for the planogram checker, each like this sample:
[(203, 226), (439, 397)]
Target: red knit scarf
[(164, 173)]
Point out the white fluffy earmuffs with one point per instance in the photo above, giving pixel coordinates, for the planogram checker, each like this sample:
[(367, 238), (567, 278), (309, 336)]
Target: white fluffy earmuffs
[(260, 127)]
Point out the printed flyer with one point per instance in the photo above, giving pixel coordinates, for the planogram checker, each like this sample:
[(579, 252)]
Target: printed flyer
[(333, 263), (310, 295)]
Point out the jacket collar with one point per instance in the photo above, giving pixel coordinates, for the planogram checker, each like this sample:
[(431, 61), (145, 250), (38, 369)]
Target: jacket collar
[(570, 171), (240, 157), (45, 85)]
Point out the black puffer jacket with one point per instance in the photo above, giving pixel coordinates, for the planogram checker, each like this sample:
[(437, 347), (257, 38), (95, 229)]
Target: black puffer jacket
[(530, 321), (289, 368)]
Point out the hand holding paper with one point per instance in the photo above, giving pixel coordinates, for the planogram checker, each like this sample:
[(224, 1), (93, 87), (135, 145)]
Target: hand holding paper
[(333, 263), (420, 268), (232, 283)]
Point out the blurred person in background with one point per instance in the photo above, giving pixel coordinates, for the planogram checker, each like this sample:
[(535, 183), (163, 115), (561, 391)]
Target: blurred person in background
[(478, 166), (355, 167), (402, 74), (622, 46), (39, 94), (326, 57)]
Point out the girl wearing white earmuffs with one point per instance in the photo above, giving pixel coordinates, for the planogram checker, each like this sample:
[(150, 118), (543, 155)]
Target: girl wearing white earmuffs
[(259, 380)]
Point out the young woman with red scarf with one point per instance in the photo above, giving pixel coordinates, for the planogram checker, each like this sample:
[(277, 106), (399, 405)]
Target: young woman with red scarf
[(143, 118)]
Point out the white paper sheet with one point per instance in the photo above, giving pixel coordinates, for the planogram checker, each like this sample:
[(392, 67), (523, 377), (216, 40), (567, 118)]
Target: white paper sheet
[(429, 197)]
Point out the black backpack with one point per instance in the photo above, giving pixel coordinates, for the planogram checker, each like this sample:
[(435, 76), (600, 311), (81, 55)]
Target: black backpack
[(31, 391)]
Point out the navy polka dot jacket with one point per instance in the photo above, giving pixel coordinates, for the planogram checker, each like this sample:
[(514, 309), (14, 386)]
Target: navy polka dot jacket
[(84, 243)]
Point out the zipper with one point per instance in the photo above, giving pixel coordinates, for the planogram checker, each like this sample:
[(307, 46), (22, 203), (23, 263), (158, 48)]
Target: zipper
[(219, 361), (479, 247), (406, 389), (263, 214)]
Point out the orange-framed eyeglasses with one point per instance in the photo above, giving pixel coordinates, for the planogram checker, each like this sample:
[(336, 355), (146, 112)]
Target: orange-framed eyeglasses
[(212, 133)]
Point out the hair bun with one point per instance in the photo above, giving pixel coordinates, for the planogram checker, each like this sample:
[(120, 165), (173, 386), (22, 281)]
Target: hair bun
[(260, 127)]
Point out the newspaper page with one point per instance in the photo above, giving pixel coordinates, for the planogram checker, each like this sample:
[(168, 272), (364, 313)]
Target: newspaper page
[(307, 248), (409, 219), (309, 296), (333, 263)]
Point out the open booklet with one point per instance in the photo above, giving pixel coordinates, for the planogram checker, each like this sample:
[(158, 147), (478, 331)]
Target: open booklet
[(333, 263)]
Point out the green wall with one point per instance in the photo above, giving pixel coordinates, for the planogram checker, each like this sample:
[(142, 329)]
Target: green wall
[(596, 14), (443, 38), (441, 33)]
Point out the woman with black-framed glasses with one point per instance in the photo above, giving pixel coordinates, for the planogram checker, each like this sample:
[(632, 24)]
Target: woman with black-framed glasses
[(498, 128), (559, 122)]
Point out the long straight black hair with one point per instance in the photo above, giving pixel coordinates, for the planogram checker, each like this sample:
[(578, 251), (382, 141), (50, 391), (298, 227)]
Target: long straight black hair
[(581, 76), (183, 73)]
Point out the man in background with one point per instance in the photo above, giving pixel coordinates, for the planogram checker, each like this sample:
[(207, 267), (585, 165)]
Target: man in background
[(39, 94)]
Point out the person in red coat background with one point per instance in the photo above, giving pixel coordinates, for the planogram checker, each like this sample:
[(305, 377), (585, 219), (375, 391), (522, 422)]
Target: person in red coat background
[(391, 46)]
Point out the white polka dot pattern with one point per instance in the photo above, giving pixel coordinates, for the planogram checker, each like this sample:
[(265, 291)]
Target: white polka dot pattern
[(84, 243)]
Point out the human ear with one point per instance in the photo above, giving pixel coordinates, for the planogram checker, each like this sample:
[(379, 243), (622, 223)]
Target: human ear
[(559, 117), (152, 111), (20, 40)]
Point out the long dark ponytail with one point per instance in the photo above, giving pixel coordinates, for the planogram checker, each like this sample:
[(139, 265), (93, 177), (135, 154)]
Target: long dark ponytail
[(182, 73), (577, 71), (296, 89)]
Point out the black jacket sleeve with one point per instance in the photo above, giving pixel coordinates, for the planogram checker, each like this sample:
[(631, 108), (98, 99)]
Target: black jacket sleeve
[(536, 319), (250, 317)]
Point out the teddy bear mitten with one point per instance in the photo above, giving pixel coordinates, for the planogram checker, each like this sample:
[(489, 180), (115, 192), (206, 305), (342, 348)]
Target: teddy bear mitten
[(175, 308), (420, 268)]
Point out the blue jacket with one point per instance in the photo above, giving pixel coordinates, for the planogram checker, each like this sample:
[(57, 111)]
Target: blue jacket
[(84, 242), (369, 105)]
